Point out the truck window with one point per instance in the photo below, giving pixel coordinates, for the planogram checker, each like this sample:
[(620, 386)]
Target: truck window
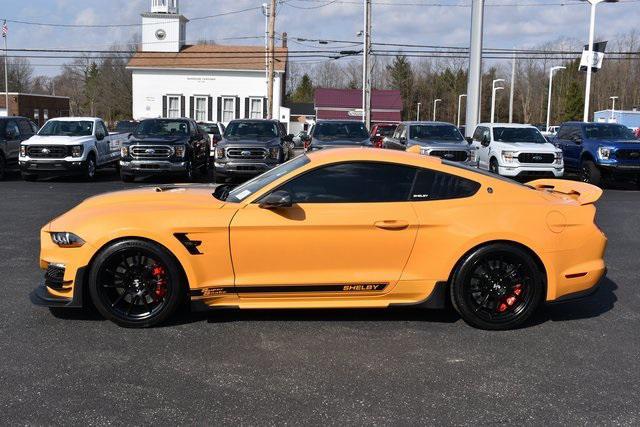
[(67, 128)]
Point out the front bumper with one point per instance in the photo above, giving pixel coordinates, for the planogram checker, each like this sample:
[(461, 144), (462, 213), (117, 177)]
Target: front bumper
[(52, 166), (621, 168), (556, 171), (152, 166), (44, 296), (242, 167)]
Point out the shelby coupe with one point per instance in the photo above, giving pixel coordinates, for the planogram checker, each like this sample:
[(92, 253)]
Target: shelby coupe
[(341, 228)]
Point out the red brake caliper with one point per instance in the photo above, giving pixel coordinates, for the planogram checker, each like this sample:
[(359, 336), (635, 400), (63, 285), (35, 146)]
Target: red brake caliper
[(509, 300), (159, 274)]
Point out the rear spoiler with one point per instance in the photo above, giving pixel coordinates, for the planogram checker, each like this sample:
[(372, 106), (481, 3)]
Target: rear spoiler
[(582, 192)]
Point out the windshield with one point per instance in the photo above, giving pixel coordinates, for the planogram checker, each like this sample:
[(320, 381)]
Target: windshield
[(386, 130), (609, 131), (67, 128), (248, 188), (249, 130), (210, 128), (528, 134), (156, 127), (435, 133), (332, 131), (125, 126)]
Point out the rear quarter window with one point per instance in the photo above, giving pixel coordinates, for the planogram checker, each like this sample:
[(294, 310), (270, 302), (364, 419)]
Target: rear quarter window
[(435, 185)]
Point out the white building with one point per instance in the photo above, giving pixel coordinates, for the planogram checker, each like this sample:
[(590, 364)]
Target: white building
[(204, 82)]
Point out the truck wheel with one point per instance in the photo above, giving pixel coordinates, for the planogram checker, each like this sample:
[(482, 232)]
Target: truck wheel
[(188, 172), (29, 176), (90, 168), (493, 167), (590, 173), (3, 167)]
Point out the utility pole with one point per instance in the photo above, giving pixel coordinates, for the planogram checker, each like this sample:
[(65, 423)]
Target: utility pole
[(265, 12), (553, 69), (513, 87), (435, 107), (272, 47), (613, 107), (366, 69), (459, 107), (475, 67), (5, 33), (493, 98), (418, 112)]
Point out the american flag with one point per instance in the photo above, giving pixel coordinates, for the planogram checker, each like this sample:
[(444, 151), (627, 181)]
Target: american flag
[(5, 29)]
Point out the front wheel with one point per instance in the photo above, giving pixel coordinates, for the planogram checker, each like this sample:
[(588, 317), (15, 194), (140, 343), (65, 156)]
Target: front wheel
[(135, 284), (590, 173), (494, 167), (497, 287), (90, 168)]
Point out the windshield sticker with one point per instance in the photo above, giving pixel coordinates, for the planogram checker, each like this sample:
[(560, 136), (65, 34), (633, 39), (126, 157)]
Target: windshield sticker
[(243, 194)]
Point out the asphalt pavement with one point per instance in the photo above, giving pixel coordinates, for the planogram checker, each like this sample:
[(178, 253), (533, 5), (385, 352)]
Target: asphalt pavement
[(576, 363)]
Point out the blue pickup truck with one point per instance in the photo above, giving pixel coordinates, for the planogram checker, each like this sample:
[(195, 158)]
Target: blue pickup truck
[(599, 150)]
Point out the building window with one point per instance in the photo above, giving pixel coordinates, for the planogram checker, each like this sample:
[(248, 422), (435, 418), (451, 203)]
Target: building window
[(200, 108), (228, 109), (255, 108), (36, 114), (45, 114), (173, 110)]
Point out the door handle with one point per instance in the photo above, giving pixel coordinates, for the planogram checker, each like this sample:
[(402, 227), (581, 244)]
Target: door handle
[(391, 225)]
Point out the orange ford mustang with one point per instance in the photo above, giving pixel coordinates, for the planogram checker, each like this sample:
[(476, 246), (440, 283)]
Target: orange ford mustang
[(340, 228)]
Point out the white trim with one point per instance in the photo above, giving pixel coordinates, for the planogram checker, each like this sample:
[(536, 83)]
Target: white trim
[(261, 71)]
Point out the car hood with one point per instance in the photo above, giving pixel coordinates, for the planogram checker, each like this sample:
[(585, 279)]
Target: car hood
[(145, 202), (337, 143), (533, 147), (157, 140), (618, 144), (441, 145), (59, 140), (249, 142)]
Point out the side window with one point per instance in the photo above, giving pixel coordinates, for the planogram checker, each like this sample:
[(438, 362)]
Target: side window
[(355, 182), (576, 133), (25, 129), (34, 128), (563, 132), (403, 131), (477, 135), (101, 129), (434, 185), (486, 133), (12, 127), (398, 131)]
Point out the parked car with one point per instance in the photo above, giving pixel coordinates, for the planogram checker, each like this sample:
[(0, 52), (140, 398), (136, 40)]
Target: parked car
[(126, 126), (338, 133), (599, 150), (13, 131), (334, 228), (250, 147), (215, 130), (161, 146), (70, 146), (380, 131), (516, 150), (551, 133), (300, 138), (437, 139)]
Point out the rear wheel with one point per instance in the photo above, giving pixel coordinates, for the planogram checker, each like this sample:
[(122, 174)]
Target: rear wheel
[(497, 287), (3, 167), (135, 284), (494, 167), (188, 171), (590, 173)]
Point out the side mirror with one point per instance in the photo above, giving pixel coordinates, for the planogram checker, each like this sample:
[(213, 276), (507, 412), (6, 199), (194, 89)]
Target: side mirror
[(403, 140), (485, 141), (277, 199), (99, 136), (469, 140)]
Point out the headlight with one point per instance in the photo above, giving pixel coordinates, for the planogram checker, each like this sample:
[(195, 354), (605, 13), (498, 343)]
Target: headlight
[(66, 240), (219, 152), (77, 150), (124, 151), (23, 151), (604, 153), (510, 156), (473, 155), (559, 157), (424, 151), (179, 150), (274, 152)]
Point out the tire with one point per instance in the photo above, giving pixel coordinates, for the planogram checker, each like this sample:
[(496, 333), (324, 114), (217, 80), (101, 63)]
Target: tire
[(125, 177), (590, 173), (188, 173), (90, 167), (497, 287), (136, 284), (29, 176), (494, 167), (3, 167)]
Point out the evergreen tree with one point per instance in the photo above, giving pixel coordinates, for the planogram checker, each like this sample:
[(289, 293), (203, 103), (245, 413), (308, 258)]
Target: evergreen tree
[(304, 92), (574, 102), (401, 78)]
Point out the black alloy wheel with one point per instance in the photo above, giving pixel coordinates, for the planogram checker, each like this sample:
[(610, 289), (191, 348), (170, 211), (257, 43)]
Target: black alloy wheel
[(497, 287), (590, 173), (135, 284)]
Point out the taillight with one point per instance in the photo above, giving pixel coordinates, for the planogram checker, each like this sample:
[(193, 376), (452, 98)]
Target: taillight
[(307, 143)]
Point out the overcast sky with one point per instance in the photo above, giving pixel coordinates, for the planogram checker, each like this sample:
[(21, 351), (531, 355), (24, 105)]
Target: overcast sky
[(406, 21)]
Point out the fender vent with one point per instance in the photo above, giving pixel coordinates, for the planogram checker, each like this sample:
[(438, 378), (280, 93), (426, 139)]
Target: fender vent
[(190, 245)]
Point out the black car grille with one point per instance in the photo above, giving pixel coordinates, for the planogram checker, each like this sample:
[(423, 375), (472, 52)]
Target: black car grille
[(537, 158), (628, 154), (247, 153), (151, 152), (454, 156), (54, 276), (48, 151)]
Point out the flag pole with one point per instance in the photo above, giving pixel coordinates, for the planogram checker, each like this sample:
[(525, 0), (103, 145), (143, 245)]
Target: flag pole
[(6, 69)]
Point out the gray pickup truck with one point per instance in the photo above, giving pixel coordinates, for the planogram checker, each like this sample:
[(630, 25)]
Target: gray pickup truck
[(13, 131), (438, 139)]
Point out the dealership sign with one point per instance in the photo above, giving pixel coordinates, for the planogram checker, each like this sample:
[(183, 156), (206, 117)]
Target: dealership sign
[(594, 59)]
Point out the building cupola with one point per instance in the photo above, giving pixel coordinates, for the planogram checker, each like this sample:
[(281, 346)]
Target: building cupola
[(164, 6)]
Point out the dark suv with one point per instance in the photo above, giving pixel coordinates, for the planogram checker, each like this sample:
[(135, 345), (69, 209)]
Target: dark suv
[(161, 146), (250, 147), (338, 133), (13, 130)]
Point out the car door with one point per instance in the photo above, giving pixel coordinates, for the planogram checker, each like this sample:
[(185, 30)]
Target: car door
[(399, 139), (102, 142), (349, 225), (13, 138), (26, 132), (482, 142), (569, 140)]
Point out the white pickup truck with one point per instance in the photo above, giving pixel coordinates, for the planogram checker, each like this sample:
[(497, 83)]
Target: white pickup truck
[(70, 146)]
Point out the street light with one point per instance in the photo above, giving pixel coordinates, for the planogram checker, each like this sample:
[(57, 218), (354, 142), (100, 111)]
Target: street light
[(418, 112), (435, 106), (493, 97), (549, 100), (459, 105), (613, 107), (592, 29)]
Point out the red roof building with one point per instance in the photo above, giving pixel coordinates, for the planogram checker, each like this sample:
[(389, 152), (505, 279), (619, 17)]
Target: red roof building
[(346, 104)]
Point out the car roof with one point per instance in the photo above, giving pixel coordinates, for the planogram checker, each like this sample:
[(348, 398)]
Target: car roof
[(74, 119), (334, 155), (507, 125), (427, 123)]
